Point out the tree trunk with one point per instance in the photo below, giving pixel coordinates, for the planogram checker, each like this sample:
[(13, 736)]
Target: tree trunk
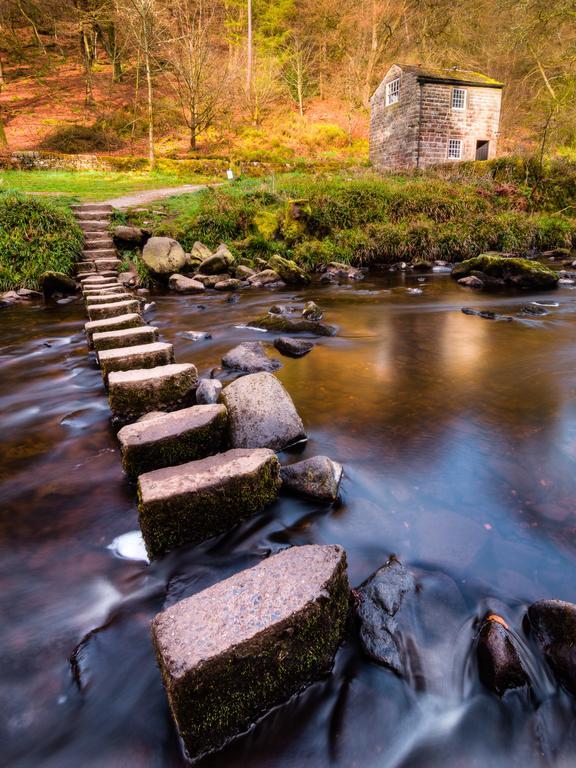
[(249, 53), (87, 58), (151, 156), (3, 139), (300, 85)]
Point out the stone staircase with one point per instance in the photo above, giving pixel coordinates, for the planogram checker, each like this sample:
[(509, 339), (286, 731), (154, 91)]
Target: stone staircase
[(287, 615), (99, 254)]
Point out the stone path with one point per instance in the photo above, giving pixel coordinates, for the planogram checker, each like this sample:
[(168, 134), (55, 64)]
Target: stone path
[(149, 195), (235, 650)]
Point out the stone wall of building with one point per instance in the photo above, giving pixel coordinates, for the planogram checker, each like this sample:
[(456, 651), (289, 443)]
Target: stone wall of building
[(394, 129), (439, 122)]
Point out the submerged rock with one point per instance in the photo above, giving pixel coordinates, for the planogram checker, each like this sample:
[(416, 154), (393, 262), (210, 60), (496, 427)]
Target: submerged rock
[(163, 255), (197, 335), (422, 265), (261, 413), (234, 651), (553, 623), (284, 324), (192, 502), (293, 347), (380, 599), (318, 477), (499, 663), (486, 314), (250, 357), (208, 391), (514, 272)]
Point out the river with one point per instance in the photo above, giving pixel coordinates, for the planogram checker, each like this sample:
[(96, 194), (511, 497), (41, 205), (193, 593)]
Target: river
[(458, 438)]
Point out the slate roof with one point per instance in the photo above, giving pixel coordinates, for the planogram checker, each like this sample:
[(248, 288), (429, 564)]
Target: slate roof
[(453, 75)]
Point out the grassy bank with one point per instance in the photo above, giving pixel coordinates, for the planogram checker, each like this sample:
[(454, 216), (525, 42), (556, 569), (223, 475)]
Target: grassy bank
[(368, 219), (35, 236)]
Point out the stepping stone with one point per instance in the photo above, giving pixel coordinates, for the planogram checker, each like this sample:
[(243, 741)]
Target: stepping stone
[(125, 337), (133, 393), (104, 290), (232, 652), (94, 226), (98, 243), (138, 356), (98, 280), (172, 438), (114, 309), (129, 320), (85, 266), (106, 298), (261, 413), (196, 501), (103, 265), (100, 253)]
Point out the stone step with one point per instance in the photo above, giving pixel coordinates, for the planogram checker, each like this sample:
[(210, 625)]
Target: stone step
[(193, 502), (94, 215), (100, 253), (113, 309), (133, 393), (172, 438), (98, 280), (125, 337), (92, 299), (232, 652), (90, 237), (129, 320), (85, 266), (94, 226), (93, 207), (139, 356), (107, 265), (103, 290)]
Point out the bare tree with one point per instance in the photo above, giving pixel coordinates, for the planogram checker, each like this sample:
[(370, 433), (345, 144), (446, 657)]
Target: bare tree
[(299, 64)]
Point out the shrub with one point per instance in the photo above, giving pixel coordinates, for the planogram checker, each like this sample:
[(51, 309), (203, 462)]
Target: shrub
[(35, 236), (79, 139)]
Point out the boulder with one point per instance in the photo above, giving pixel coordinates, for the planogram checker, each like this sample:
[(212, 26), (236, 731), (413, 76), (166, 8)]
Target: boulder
[(231, 284), (312, 311), (208, 391), (472, 281), (511, 271), (293, 347), (183, 284), (128, 236), (210, 281), (56, 282), (250, 357), (200, 251), (232, 652), (284, 324), (499, 663), (261, 413), (172, 438), (133, 393), (193, 502), (243, 273), (289, 271), (337, 272), (129, 279), (422, 265), (265, 277), (163, 256), (553, 624), (380, 600), (219, 262), (318, 478)]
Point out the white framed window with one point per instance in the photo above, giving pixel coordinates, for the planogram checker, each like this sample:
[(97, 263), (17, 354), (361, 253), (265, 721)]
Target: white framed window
[(459, 98), (392, 91), (454, 149)]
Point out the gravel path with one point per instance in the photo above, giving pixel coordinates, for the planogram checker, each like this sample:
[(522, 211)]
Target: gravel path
[(148, 195)]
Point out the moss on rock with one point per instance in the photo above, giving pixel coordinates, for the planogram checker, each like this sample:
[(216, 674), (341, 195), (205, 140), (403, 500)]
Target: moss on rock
[(521, 273)]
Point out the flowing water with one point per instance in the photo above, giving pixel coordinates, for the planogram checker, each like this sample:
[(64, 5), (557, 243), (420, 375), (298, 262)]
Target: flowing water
[(458, 437)]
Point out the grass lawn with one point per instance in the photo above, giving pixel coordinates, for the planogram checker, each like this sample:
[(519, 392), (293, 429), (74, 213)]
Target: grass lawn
[(93, 185)]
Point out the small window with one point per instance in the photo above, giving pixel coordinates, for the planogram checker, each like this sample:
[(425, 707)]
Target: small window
[(392, 91), (454, 149), (459, 98)]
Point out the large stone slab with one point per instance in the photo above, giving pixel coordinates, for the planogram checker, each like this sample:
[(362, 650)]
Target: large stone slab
[(172, 438), (138, 356), (195, 501), (125, 337), (234, 651), (261, 413), (112, 309), (92, 299), (129, 320), (93, 280), (134, 393)]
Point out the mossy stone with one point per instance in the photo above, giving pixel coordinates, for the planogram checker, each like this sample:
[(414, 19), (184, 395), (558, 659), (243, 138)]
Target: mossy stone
[(521, 273)]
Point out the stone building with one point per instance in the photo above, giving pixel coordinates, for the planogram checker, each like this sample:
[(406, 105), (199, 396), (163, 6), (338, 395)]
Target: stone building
[(422, 116)]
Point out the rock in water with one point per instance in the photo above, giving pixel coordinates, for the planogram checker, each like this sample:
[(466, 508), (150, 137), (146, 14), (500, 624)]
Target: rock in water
[(486, 314), (499, 664), (183, 284), (514, 272), (553, 623), (293, 347), (318, 477), (284, 324), (172, 438), (261, 413), (250, 357), (208, 391), (312, 311), (163, 255), (193, 502), (133, 393), (234, 651), (472, 281), (381, 598), (56, 282)]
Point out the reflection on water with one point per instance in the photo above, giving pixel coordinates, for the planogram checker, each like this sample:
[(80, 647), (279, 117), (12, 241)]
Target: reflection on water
[(458, 437)]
